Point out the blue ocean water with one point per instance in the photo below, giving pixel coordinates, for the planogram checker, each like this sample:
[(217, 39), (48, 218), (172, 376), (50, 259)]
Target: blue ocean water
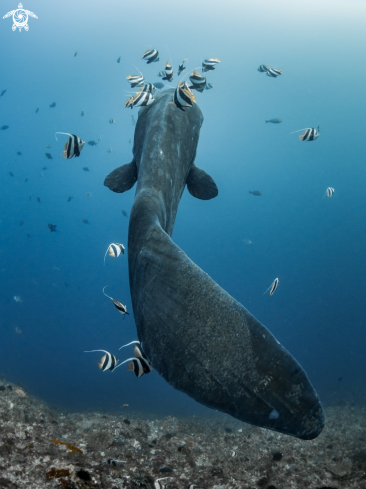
[(313, 244)]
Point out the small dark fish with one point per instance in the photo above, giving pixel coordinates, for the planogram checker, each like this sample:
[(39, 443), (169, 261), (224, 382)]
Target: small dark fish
[(4, 127), (73, 146), (118, 305), (49, 156), (181, 67), (114, 249), (112, 121), (53, 105), (107, 362), (45, 168), (21, 223), (26, 179), (124, 213), (159, 85), (92, 143), (28, 235), (151, 56), (39, 199), (52, 228), (82, 113), (75, 54), (69, 199), (11, 173), (273, 286), (2, 93), (255, 192), (119, 60), (85, 221), (37, 109), (19, 153), (340, 379), (115, 463), (275, 121), (85, 168)]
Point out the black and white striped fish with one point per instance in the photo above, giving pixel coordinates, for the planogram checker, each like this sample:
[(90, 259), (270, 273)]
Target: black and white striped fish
[(141, 99), (168, 72), (161, 485), (73, 146), (149, 88), (151, 56), (107, 362), (263, 68), (183, 96), (210, 64), (273, 286), (309, 134), (161, 73), (139, 365), (114, 250), (329, 192), (118, 305), (136, 80), (198, 81), (181, 67), (274, 72)]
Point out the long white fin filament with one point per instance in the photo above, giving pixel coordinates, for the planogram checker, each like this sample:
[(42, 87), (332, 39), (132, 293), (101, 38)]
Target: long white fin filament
[(106, 294), (66, 133), (128, 344), (306, 128), (128, 360)]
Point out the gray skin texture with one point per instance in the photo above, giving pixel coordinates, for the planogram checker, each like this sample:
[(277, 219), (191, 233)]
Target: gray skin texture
[(199, 338)]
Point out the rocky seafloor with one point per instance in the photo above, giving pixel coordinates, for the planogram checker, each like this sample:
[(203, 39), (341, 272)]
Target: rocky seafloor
[(42, 447)]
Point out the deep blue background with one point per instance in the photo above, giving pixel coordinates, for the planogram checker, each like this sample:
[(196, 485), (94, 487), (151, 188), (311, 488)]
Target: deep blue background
[(315, 245)]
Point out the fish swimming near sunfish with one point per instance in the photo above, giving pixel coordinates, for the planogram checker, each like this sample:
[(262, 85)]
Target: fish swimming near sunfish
[(3, 128), (135, 80), (309, 134), (141, 99), (49, 156), (168, 72), (210, 64), (37, 109), (139, 365), (124, 213), (19, 153), (118, 305), (181, 67), (85, 221), (75, 53), (85, 168), (69, 199), (183, 96), (198, 81), (53, 104), (73, 145), (329, 192), (275, 121), (151, 56), (119, 60), (107, 362), (82, 113), (255, 192), (53, 228), (273, 287), (263, 68), (92, 143), (114, 250), (11, 173), (2, 93), (179, 311)]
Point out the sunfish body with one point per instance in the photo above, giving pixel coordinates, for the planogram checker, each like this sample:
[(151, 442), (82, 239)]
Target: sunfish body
[(198, 337)]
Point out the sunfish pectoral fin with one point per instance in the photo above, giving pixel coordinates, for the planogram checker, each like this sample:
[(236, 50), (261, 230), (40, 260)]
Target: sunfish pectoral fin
[(123, 178), (200, 184)]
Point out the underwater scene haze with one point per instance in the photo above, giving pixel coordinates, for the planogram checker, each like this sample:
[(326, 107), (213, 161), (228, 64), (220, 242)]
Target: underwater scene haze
[(287, 208)]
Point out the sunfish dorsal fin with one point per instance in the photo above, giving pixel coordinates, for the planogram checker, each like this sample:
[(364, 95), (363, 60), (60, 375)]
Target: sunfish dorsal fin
[(200, 184), (123, 178)]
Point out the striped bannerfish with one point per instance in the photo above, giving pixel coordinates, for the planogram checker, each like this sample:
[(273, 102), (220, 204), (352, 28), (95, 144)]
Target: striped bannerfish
[(168, 72), (72, 147), (309, 134), (329, 192), (274, 72), (135, 80), (181, 67), (263, 68), (161, 485), (107, 362), (210, 64), (149, 88), (151, 56), (183, 96), (118, 305), (139, 365), (273, 286), (161, 73), (198, 81), (114, 249), (209, 86), (141, 99)]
